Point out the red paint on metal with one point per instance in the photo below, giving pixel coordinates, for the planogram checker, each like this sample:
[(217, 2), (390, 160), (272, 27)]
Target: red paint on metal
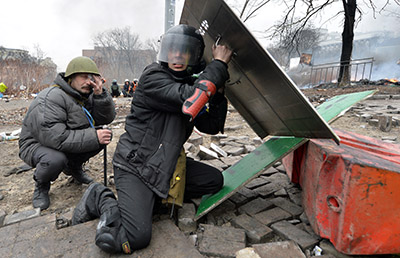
[(351, 192), (293, 162)]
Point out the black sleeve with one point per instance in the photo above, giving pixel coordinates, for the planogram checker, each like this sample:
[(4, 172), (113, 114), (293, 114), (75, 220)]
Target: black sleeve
[(212, 121), (102, 108), (160, 91), (216, 72)]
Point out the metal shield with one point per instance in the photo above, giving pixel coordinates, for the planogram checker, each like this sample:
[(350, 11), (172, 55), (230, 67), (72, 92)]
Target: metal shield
[(258, 88)]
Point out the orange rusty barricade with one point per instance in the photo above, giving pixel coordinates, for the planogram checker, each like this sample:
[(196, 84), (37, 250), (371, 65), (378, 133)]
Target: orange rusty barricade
[(351, 192)]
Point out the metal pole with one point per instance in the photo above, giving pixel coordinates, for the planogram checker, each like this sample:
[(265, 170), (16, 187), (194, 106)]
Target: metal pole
[(370, 71), (362, 76), (311, 80), (355, 76), (105, 165), (169, 14), (326, 76)]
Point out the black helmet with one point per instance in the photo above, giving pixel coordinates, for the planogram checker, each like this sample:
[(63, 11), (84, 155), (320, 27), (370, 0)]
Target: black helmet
[(183, 38)]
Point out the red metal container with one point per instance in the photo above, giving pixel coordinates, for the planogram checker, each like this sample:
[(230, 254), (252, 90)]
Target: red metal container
[(351, 192)]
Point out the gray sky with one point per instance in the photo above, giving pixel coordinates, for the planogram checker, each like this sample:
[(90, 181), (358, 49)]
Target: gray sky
[(62, 28)]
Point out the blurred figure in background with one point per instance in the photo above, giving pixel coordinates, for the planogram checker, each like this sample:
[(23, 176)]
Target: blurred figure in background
[(115, 92)]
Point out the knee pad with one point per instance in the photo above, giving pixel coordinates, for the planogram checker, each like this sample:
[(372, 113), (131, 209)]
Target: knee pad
[(106, 240), (110, 235)]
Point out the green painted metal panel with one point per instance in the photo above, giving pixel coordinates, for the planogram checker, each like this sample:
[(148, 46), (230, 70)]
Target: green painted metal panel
[(248, 168), (335, 106), (272, 151)]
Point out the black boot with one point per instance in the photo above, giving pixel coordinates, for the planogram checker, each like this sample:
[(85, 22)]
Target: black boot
[(88, 208), (79, 175), (110, 235), (41, 195)]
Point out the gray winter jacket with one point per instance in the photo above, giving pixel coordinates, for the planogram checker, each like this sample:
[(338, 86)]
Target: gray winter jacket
[(56, 119)]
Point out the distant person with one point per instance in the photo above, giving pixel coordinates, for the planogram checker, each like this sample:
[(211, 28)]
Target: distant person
[(126, 89), (115, 92), (59, 130), (134, 84), (149, 162)]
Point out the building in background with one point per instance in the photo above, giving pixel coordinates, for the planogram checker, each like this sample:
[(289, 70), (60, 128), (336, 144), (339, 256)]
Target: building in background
[(119, 64), (23, 73)]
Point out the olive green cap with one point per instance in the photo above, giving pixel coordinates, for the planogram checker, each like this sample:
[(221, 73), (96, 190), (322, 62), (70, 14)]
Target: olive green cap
[(81, 64)]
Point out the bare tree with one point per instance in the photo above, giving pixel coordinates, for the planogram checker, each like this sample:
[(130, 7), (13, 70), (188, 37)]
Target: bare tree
[(118, 49), (149, 55), (300, 13), (292, 43), (249, 8), (154, 45), (127, 43), (347, 41), (296, 25), (38, 53)]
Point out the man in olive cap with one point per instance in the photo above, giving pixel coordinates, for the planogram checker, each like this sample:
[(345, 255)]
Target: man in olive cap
[(60, 131)]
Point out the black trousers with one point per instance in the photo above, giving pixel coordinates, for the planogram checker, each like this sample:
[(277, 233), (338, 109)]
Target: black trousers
[(115, 93), (50, 163), (136, 200)]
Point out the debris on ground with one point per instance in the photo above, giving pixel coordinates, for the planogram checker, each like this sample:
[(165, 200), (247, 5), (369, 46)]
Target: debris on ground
[(270, 200)]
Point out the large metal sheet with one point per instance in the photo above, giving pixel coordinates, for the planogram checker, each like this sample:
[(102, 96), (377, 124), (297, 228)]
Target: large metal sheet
[(258, 88)]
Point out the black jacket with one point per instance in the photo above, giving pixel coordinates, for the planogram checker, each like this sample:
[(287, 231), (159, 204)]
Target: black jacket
[(156, 128)]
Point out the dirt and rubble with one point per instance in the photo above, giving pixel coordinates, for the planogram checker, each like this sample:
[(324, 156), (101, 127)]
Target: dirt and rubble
[(16, 184)]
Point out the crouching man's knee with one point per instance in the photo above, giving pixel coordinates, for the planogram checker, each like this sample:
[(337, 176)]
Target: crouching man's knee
[(112, 241), (112, 237)]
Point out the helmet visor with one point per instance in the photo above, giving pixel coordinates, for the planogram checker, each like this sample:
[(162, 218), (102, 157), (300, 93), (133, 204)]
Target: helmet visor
[(180, 49)]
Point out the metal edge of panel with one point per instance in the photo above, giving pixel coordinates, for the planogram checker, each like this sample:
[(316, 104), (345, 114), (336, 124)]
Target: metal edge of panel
[(345, 110)]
